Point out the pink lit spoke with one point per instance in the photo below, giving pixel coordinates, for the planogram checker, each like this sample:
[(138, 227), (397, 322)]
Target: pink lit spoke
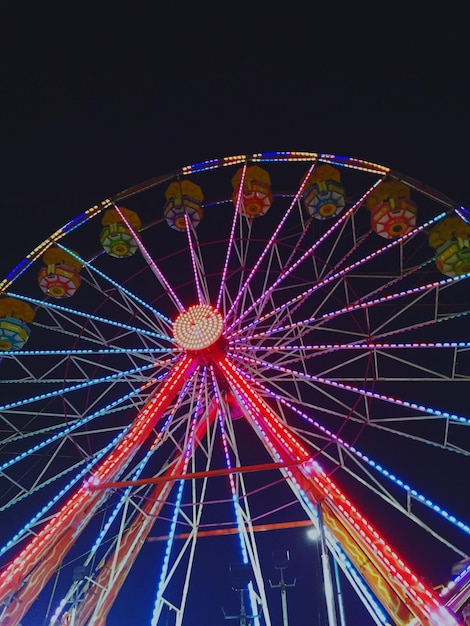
[(288, 305), (235, 219), (310, 322), (271, 241), (373, 344), (292, 265), (301, 376), (153, 266), (194, 260)]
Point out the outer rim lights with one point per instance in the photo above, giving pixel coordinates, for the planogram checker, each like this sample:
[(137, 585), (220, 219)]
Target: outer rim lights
[(198, 328)]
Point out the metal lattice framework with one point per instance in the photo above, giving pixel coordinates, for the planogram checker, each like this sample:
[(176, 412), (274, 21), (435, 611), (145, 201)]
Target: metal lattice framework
[(256, 342)]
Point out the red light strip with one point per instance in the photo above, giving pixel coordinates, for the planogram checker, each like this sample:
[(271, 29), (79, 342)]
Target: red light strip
[(101, 596), (43, 554), (407, 587)]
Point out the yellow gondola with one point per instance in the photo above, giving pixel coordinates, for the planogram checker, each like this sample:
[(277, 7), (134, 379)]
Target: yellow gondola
[(451, 238)]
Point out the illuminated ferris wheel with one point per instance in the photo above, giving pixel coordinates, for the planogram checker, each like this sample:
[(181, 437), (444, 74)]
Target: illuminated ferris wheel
[(255, 343)]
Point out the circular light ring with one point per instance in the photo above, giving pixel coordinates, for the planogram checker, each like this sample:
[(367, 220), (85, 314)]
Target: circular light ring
[(198, 328)]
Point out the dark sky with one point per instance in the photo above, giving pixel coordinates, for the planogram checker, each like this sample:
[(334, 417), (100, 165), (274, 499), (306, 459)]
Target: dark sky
[(95, 97)]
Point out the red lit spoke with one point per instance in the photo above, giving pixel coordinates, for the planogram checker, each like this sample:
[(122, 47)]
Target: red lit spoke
[(400, 587)]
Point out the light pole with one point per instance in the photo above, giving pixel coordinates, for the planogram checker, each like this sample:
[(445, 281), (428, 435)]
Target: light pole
[(280, 562), (240, 574)]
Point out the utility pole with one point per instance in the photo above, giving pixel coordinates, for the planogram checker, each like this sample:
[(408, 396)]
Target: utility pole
[(280, 562), (241, 577)]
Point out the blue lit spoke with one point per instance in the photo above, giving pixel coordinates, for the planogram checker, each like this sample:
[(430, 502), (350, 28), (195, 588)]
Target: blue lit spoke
[(420, 497), (90, 316), (70, 428), (118, 286), (86, 352), (83, 472), (119, 376)]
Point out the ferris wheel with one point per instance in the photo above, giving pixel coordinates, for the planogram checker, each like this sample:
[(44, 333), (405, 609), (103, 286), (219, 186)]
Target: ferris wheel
[(201, 367)]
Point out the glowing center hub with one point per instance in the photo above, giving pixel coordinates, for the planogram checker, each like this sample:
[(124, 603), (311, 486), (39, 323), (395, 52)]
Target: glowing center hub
[(199, 327)]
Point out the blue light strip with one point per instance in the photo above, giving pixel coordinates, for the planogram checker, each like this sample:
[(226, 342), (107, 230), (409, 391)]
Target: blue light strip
[(377, 466), (118, 286), (69, 429), (86, 352), (90, 316), (85, 385), (94, 460)]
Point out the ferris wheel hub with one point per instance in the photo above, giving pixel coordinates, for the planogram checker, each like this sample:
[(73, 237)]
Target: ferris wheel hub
[(198, 328)]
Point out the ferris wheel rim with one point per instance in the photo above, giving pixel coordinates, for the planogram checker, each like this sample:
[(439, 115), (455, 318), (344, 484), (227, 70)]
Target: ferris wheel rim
[(284, 367)]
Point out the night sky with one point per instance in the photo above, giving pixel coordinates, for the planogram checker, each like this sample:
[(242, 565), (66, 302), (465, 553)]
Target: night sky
[(96, 97)]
